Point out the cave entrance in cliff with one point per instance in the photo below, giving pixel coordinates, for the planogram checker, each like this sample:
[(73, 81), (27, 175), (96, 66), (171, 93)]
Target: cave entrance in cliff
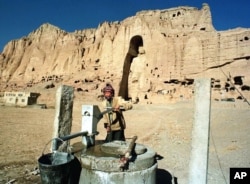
[(135, 43)]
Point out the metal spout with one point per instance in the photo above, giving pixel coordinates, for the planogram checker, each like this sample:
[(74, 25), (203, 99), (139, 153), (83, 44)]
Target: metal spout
[(55, 143)]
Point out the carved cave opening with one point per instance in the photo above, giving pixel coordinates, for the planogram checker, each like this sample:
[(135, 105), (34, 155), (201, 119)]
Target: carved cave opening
[(238, 80), (135, 43)]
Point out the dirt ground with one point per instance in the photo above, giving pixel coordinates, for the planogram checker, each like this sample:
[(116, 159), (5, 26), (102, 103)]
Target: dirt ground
[(166, 128)]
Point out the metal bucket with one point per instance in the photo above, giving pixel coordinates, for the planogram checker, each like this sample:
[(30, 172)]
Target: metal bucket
[(55, 167)]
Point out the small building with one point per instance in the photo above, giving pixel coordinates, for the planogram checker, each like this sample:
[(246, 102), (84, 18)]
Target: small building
[(20, 98)]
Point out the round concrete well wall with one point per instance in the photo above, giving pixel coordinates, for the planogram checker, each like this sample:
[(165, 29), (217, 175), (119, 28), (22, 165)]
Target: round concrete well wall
[(100, 167)]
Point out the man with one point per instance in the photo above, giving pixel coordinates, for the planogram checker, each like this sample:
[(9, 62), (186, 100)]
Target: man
[(115, 125)]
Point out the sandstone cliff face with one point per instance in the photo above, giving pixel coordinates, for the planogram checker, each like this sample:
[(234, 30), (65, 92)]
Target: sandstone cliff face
[(177, 45)]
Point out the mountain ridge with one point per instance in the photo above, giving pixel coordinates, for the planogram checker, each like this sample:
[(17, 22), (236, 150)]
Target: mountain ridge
[(176, 44)]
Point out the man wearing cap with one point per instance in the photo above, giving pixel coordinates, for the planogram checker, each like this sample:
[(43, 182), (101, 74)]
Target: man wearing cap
[(115, 124)]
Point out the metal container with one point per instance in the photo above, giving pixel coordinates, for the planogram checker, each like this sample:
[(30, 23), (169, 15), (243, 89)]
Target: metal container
[(55, 167)]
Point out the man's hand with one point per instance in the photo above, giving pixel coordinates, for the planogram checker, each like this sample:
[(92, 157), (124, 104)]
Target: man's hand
[(116, 109), (108, 129), (107, 126)]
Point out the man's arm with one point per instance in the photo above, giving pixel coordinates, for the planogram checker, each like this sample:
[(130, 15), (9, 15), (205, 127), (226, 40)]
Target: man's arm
[(124, 105)]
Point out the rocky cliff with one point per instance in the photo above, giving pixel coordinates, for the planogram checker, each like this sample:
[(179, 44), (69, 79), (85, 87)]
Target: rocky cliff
[(153, 52)]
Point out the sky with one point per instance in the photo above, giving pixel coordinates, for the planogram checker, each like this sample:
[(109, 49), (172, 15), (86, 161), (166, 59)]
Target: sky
[(18, 18)]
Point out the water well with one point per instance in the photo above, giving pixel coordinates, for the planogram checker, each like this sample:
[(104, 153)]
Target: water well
[(103, 164), (116, 162)]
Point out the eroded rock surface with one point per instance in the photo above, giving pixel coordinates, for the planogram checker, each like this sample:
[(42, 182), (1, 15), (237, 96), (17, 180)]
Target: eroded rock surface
[(179, 45)]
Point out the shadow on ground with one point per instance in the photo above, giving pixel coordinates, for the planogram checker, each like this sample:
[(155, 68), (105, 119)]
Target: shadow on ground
[(164, 177)]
